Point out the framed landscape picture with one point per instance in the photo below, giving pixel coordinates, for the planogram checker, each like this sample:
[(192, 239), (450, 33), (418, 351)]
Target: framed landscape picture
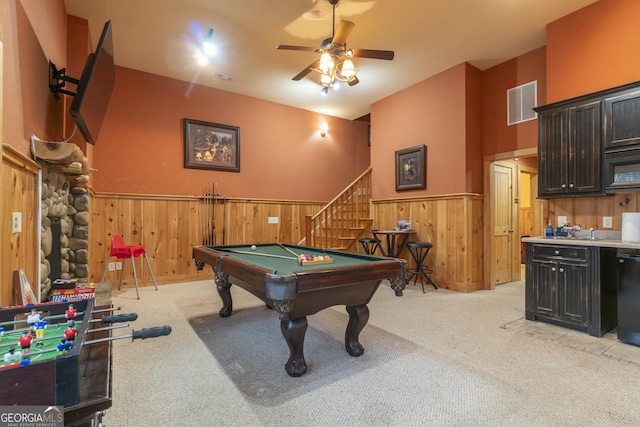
[(211, 146), (411, 168)]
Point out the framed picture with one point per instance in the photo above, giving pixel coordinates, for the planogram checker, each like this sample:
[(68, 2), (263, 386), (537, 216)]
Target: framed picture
[(411, 168), (211, 146)]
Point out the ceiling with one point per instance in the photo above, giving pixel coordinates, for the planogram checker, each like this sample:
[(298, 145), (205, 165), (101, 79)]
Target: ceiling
[(428, 36)]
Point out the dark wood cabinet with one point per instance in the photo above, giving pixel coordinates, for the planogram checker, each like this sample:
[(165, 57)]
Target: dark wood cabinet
[(590, 145), (571, 286), (570, 150), (622, 119), (621, 130)]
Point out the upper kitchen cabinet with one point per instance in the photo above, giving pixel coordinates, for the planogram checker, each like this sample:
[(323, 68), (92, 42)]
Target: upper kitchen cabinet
[(622, 119), (590, 145), (569, 149)]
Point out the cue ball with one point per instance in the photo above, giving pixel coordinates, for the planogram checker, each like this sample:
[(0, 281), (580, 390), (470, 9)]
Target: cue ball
[(253, 247)]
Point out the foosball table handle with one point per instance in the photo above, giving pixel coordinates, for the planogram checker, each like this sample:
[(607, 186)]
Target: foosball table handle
[(156, 331), (128, 317)]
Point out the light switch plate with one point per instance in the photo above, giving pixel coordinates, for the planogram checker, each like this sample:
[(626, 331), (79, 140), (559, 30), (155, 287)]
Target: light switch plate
[(16, 222), (272, 220), (607, 222)]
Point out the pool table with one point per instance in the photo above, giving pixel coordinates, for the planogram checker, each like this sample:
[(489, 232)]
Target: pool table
[(273, 273)]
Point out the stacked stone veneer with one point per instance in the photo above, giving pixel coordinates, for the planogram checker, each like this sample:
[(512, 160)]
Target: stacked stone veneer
[(70, 205)]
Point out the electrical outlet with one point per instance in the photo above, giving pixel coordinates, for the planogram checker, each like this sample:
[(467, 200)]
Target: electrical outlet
[(112, 266), (607, 222), (16, 222), (119, 265), (562, 220), (272, 220)]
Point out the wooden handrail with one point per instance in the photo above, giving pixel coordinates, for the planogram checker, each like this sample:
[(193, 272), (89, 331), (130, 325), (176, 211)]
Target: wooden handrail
[(344, 219)]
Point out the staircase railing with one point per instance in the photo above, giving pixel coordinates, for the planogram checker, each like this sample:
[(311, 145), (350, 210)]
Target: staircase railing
[(344, 219)]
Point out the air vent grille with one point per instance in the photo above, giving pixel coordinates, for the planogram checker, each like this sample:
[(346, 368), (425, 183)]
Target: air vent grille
[(520, 103)]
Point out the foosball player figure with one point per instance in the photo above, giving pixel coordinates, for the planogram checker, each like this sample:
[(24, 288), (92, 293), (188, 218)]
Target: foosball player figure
[(33, 317), (1, 332), (25, 341), (40, 326), (64, 346), (12, 355), (70, 332), (70, 314)]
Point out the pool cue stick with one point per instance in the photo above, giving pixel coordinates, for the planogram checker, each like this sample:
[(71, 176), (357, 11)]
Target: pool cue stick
[(255, 253), (288, 250), (144, 333)]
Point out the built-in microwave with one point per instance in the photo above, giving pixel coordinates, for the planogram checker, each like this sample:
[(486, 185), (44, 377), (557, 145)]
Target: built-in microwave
[(622, 170)]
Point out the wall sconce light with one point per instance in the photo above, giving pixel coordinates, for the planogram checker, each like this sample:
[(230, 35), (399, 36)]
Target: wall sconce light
[(324, 128)]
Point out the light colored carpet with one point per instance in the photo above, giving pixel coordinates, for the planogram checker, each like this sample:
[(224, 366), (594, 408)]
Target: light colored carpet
[(437, 359)]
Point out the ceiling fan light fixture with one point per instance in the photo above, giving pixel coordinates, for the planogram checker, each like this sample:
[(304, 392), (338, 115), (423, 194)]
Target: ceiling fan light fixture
[(348, 70), (326, 80), (326, 63)]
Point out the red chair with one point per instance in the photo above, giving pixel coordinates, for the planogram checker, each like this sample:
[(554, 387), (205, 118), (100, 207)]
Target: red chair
[(122, 251)]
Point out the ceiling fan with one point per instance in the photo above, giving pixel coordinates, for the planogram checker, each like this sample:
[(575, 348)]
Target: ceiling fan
[(335, 63)]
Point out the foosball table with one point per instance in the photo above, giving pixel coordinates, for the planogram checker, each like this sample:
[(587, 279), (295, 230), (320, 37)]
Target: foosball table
[(61, 354)]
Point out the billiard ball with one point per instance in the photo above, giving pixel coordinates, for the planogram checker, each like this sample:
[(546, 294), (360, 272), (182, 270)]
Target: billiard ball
[(253, 247)]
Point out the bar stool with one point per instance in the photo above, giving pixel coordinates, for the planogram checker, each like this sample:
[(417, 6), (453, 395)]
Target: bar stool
[(370, 244), (419, 252)]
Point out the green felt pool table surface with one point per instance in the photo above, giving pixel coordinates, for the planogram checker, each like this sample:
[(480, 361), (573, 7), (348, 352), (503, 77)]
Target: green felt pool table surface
[(268, 256)]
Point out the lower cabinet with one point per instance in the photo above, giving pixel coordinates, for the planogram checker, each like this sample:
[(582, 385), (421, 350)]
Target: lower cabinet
[(572, 286)]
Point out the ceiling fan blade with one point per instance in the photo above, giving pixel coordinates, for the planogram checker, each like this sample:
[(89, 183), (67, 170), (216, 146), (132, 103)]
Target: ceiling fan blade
[(342, 32), (307, 70), (353, 81), (289, 47), (373, 54)]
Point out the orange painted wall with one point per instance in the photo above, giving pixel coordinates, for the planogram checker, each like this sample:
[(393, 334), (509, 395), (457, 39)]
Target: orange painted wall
[(593, 48), (432, 113), (27, 47), (473, 112), (497, 137), (140, 147)]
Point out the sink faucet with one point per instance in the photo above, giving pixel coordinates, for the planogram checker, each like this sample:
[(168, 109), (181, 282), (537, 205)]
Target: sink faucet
[(571, 229)]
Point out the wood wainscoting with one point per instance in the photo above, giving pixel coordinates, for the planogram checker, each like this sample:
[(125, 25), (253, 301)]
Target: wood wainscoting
[(169, 226), (19, 183), (453, 224)]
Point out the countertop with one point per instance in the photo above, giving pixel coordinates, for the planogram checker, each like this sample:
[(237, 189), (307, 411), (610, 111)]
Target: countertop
[(604, 239)]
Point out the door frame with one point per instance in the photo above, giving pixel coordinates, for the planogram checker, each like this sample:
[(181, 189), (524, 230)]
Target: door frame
[(488, 161)]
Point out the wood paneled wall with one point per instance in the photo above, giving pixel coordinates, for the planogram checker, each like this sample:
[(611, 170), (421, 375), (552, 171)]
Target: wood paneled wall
[(588, 211), (453, 224), (19, 183), (169, 226)]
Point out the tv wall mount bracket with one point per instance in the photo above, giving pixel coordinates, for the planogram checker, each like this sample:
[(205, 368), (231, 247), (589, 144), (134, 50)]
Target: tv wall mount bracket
[(58, 80)]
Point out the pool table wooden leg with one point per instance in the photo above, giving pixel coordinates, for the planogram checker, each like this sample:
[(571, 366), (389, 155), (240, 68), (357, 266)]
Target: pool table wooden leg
[(358, 318), (293, 332), (223, 285)]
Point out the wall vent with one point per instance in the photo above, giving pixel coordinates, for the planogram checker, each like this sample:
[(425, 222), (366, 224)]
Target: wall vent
[(520, 103)]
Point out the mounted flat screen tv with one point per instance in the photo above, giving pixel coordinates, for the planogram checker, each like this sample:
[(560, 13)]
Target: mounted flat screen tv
[(94, 88)]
